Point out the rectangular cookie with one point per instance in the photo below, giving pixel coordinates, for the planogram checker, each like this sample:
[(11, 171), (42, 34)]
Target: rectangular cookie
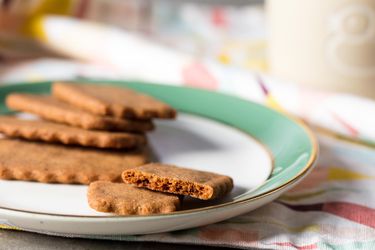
[(52, 109), (112, 101), (52, 163), (41, 130), (125, 199), (177, 180)]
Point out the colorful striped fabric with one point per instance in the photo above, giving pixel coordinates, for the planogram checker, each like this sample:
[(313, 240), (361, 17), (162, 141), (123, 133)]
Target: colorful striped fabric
[(333, 208)]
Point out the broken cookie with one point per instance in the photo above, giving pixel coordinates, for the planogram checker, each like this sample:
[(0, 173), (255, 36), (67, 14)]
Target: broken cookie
[(177, 180)]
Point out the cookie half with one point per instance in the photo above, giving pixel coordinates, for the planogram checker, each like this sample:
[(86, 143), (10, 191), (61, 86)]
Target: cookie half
[(112, 101), (41, 130), (177, 180), (52, 163), (125, 199), (52, 109)]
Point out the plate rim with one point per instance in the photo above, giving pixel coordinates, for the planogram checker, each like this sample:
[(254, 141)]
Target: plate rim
[(308, 167)]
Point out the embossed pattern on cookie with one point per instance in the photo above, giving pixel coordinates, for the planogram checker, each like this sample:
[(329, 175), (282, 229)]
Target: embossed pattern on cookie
[(123, 199), (52, 163), (41, 130), (52, 109), (112, 101)]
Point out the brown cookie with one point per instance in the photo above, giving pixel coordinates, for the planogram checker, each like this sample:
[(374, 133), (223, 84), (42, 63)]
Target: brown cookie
[(172, 179), (52, 109), (40, 130), (52, 163), (112, 101), (125, 199)]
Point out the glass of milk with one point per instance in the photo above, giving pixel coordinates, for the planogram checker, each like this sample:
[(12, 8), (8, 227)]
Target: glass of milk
[(327, 45)]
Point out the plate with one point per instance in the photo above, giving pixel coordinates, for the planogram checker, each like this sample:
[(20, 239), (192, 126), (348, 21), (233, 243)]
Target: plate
[(265, 152)]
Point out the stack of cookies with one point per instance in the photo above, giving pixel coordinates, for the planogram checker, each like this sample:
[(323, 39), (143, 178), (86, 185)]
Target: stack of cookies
[(96, 135), (87, 132)]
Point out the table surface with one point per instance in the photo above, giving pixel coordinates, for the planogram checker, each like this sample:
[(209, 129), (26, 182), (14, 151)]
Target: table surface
[(24, 240)]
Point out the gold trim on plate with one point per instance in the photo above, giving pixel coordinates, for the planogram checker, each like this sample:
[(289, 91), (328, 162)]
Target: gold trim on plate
[(310, 164)]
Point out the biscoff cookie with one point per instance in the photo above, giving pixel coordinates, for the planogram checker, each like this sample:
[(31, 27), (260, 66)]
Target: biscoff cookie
[(112, 101), (125, 199), (52, 163), (55, 110), (41, 130), (177, 180)]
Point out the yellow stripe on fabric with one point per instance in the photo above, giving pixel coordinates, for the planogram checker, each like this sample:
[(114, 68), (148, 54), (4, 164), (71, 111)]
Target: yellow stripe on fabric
[(341, 174), (33, 26), (36, 29), (298, 197), (308, 228), (263, 220), (2, 226), (301, 196), (272, 103), (61, 7)]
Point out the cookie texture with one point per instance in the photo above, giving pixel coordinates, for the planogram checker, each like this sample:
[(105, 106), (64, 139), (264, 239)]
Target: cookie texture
[(52, 163), (177, 180), (125, 199), (112, 101), (40, 130), (55, 110)]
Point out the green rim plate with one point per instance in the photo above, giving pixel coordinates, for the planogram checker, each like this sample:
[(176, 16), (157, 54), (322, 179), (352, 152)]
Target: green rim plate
[(292, 144)]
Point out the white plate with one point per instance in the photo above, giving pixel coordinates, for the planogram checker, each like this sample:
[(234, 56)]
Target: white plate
[(192, 141)]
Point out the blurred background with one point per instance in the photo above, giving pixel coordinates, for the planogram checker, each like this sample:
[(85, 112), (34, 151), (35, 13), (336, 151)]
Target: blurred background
[(229, 32), (314, 59), (324, 45)]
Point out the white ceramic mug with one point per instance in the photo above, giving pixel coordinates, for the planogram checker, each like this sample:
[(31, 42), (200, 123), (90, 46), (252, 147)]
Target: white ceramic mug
[(326, 44)]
